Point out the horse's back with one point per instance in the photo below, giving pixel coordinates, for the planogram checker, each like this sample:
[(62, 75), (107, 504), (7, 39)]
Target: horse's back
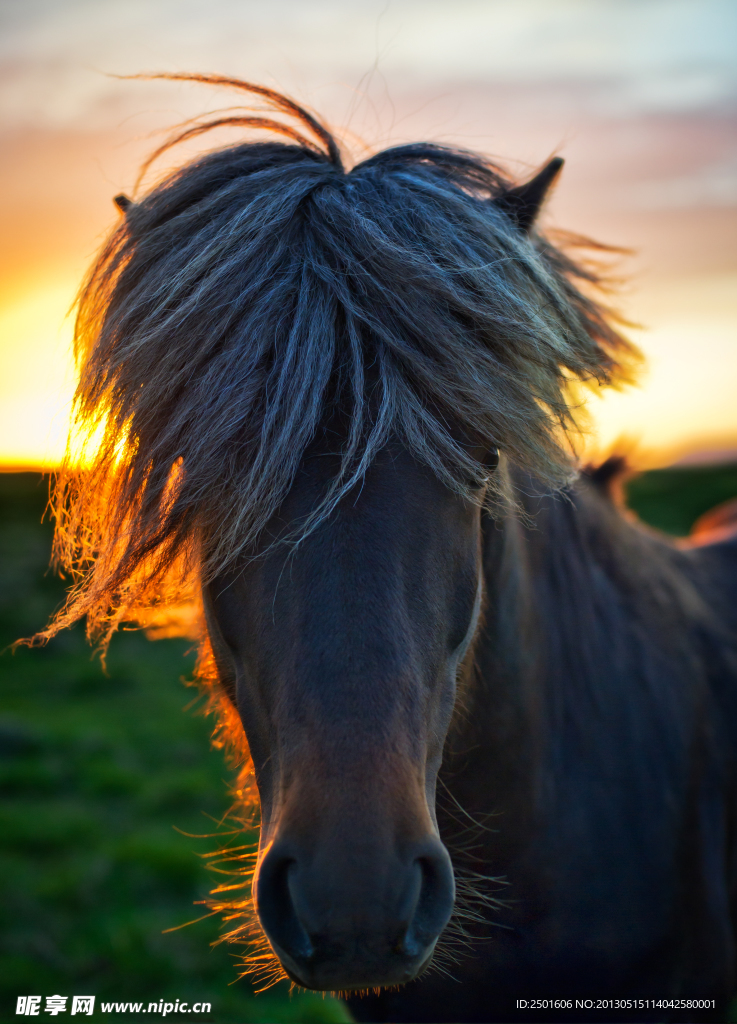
[(712, 552)]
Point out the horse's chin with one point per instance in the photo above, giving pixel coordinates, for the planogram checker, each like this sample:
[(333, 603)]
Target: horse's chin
[(352, 981)]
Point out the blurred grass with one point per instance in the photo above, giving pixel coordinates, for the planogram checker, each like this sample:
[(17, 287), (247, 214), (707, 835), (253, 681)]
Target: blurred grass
[(97, 772), (673, 499)]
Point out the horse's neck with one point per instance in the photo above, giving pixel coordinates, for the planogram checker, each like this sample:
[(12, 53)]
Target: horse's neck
[(570, 586), (588, 641)]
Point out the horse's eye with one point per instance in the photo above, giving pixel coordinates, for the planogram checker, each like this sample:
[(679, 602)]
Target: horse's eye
[(488, 461), (491, 460)]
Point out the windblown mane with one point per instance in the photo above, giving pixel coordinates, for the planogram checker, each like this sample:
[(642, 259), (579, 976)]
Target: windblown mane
[(261, 296)]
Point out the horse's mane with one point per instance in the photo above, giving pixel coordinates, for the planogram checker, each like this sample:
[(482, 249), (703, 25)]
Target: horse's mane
[(261, 299)]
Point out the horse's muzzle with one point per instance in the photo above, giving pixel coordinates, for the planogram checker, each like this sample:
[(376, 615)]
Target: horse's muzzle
[(355, 922)]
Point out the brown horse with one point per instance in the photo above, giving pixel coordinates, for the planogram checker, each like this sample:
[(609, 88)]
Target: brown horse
[(329, 413)]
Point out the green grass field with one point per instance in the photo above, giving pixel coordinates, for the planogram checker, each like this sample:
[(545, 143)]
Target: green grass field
[(100, 776)]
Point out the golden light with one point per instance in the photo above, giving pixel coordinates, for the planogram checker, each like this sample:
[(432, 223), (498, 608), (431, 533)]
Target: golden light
[(686, 399), (36, 376)]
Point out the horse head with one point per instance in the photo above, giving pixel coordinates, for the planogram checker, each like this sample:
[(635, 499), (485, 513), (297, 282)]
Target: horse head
[(295, 380)]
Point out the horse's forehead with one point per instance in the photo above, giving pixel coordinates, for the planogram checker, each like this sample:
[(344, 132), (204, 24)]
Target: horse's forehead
[(398, 515), (394, 483)]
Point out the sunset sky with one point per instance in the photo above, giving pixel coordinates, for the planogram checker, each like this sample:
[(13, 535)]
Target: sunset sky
[(639, 96)]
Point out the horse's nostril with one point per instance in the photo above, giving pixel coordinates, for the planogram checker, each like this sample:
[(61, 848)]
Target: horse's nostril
[(276, 907), (435, 901)]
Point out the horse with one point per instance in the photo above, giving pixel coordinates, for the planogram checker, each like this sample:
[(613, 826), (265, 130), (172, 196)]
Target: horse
[(488, 719)]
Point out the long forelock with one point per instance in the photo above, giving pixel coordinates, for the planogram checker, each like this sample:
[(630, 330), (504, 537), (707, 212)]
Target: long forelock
[(258, 297)]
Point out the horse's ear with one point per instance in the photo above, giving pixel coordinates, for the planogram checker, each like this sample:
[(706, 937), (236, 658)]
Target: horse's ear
[(123, 202), (523, 203)]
